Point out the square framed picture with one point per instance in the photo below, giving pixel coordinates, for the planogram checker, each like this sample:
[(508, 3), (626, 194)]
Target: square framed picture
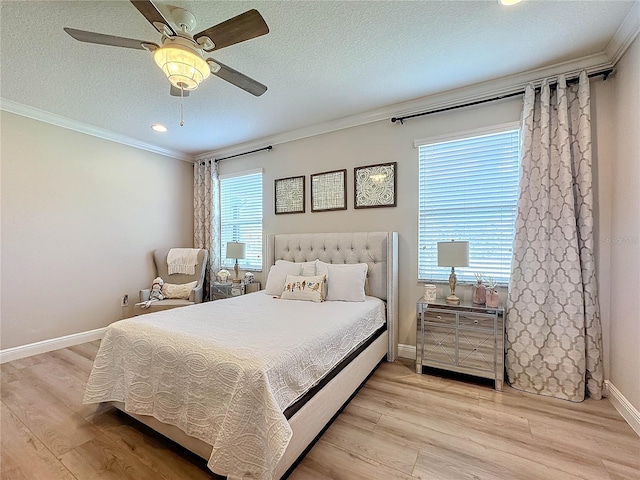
[(289, 195), (329, 191), (375, 185)]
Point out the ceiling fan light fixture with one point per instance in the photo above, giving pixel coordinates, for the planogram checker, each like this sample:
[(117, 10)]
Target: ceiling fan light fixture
[(183, 67)]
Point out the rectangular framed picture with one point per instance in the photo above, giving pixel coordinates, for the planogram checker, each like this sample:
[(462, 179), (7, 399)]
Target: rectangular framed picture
[(329, 191), (375, 185), (289, 195)]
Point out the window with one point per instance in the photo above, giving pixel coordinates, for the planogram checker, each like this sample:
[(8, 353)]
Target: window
[(468, 190), (241, 217)]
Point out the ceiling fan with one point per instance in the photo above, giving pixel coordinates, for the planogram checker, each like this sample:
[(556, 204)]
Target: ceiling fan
[(182, 55)]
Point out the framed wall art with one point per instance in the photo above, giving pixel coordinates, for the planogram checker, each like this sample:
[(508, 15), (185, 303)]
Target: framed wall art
[(289, 195), (375, 185), (329, 191)]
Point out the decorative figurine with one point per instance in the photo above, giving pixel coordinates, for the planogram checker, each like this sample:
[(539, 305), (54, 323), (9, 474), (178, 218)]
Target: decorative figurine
[(223, 275)]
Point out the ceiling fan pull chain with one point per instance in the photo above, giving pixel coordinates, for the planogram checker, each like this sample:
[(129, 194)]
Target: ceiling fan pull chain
[(182, 107)]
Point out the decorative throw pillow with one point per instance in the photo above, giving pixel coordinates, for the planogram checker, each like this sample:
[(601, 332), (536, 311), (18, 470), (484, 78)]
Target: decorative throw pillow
[(307, 269), (174, 291), (345, 281), (304, 288), (278, 275)]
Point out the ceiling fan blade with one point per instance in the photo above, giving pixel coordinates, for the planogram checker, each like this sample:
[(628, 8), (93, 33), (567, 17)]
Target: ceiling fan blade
[(245, 26), (153, 15), (101, 39), (176, 92), (236, 78)]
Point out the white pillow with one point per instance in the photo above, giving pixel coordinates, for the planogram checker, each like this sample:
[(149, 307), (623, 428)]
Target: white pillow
[(308, 269), (345, 281), (278, 275), (171, 290), (304, 288)]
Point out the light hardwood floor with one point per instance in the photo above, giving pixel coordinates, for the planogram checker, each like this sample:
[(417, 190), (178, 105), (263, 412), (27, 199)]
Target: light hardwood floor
[(399, 426)]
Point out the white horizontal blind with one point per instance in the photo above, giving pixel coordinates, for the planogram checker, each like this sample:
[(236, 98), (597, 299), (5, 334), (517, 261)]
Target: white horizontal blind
[(468, 190), (241, 218)]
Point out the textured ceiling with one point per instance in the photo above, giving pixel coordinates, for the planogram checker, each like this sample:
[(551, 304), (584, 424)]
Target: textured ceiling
[(322, 60)]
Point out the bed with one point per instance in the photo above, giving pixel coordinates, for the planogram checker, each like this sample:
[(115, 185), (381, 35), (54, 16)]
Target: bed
[(268, 412)]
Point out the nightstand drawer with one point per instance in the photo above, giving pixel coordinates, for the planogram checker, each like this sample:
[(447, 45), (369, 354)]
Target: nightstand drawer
[(441, 318), (476, 350), (474, 320), (439, 345)]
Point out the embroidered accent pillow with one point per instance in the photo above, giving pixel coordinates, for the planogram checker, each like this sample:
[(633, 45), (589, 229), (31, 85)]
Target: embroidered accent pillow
[(304, 288), (174, 291)]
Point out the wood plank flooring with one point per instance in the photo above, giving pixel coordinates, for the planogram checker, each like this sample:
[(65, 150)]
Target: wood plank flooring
[(399, 426)]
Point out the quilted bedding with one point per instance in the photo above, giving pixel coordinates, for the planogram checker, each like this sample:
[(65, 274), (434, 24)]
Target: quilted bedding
[(224, 371)]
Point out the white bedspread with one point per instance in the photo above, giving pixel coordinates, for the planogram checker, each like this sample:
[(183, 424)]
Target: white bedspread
[(224, 371)]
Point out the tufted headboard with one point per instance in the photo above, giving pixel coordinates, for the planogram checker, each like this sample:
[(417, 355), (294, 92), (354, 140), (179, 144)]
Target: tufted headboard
[(379, 250)]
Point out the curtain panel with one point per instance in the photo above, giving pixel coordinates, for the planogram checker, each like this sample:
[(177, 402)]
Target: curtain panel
[(206, 214), (554, 335)]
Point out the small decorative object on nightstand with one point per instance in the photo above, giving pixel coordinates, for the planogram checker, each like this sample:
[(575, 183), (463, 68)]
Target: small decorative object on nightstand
[(453, 254), (236, 250), (493, 299), (223, 275), (430, 293), (479, 291), (463, 338)]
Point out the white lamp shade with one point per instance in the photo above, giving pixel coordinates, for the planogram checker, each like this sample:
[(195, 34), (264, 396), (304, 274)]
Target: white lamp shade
[(236, 250), (453, 254), (183, 68)]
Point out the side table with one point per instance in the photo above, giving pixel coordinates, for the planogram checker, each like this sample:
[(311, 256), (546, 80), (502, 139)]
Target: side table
[(463, 338)]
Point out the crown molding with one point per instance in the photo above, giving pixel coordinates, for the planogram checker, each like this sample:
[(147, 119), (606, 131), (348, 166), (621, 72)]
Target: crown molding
[(478, 91), (625, 35), (60, 121)]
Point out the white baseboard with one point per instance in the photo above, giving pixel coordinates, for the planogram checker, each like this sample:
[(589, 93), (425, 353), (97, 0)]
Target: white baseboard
[(15, 353), (624, 407), (407, 351)]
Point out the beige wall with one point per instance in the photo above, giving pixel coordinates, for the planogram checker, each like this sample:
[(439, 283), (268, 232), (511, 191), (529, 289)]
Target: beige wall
[(624, 240), (80, 217), (364, 145), (386, 142)]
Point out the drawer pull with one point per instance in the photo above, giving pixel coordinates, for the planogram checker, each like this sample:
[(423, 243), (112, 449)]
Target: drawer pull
[(439, 317), (475, 322)]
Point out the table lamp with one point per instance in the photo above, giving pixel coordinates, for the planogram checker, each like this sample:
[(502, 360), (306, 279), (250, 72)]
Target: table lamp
[(453, 254), (236, 250)]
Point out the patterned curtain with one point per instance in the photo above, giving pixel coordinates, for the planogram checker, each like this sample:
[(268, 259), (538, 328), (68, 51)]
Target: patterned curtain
[(554, 336), (206, 214)]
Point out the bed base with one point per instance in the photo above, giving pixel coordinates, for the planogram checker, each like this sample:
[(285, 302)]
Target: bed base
[(307, 423), (380, 251)]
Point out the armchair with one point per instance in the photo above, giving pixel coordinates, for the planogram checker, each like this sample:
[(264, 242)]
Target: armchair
[(196, 295)]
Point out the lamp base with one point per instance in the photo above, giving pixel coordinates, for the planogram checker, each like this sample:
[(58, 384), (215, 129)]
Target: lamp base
[(453, 300)]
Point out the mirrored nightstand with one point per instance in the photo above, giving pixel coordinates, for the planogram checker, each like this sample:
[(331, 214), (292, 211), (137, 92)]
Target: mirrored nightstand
[(463, 338), (226, 290)]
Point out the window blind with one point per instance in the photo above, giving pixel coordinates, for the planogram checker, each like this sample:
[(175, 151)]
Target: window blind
[(468, 190), (241, 218)]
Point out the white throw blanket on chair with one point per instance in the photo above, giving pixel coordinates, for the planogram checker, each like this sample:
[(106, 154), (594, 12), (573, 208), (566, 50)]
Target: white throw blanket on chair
[(182, 260)]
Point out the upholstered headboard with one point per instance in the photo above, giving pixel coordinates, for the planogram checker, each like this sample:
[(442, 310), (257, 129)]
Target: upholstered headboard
[(379, 250)]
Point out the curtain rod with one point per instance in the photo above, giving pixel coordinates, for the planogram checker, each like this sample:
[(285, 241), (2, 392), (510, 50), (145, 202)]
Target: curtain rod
[(269, 147), (604, 73)]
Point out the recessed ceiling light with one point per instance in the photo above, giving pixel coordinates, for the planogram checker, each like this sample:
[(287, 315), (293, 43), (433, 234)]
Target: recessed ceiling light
[(508, 2), (159, 128)]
